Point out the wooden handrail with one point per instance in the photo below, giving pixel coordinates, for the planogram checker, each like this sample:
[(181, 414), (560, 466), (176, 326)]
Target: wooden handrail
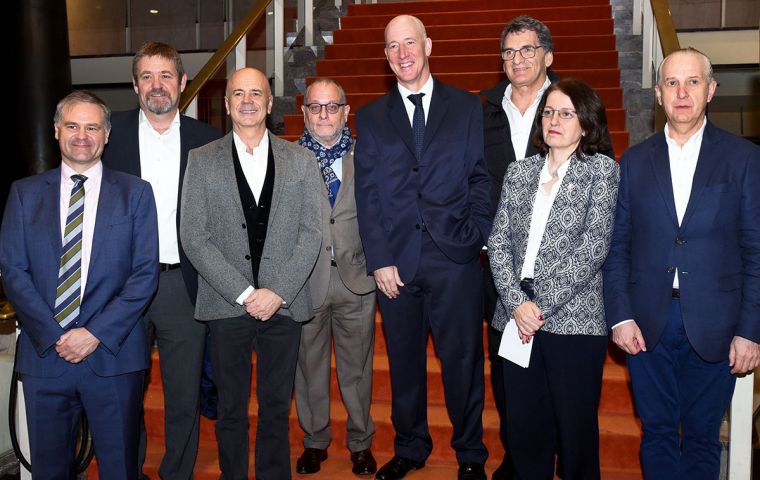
[(219, 59), (666, 27)]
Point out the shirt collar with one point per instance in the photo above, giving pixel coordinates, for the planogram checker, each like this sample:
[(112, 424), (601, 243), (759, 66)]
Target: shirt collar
[(143, 122), (545, 176), (427, 89), (242, 148), (539, 94), (695, 139), (93, 174)]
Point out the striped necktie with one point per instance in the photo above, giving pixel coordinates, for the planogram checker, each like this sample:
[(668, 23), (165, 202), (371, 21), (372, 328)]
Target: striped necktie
[(68, 294)]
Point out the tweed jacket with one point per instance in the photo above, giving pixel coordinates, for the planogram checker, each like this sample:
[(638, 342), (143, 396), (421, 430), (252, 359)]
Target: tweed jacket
[(568, 277), (340, 235), (213, 230)]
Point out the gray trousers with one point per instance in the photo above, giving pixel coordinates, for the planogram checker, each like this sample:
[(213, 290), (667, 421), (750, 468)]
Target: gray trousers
[(180, 339), (348, 319)]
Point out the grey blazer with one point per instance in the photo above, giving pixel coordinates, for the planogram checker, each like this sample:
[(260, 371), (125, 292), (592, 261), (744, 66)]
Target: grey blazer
[(340, 230), (568, 278), (212, 229)]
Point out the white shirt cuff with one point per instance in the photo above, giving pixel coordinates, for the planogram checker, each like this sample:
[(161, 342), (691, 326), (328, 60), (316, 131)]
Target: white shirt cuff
[(621, 323), (245, 294)]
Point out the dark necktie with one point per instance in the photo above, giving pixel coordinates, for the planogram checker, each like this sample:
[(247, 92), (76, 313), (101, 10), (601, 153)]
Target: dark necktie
[(418, 124), (68, 294)]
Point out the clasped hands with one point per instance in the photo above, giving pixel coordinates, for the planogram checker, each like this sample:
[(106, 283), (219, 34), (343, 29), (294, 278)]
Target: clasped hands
[(262, 304), (529, 320), (76, 344)]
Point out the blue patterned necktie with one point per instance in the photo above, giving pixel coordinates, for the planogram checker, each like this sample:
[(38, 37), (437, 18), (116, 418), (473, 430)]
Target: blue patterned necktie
[(418, 124), (68, 294)]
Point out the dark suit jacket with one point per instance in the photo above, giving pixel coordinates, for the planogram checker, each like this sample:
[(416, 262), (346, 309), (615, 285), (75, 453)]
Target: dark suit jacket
[(716, 249), (447, 190), (122, 278), (123, 153)]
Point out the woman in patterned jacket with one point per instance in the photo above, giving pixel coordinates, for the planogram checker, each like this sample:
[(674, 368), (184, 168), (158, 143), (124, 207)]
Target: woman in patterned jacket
[(550, 237)]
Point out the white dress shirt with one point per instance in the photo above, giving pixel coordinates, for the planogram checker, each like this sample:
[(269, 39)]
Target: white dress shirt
[(519, 123), (542, 206), (254, 168), (254, 164), (91, 195), (683, 164), (427, 89), (159, 165)]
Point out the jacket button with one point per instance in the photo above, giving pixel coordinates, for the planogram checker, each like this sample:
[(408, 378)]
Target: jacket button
[(415, 169), (417, 226), (247, 257), (332, 220), (670, 269), (328, 249), (680, 241), (244, 226)]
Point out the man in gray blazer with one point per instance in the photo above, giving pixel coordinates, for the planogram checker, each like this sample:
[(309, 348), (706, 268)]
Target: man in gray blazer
[(341, 291), (251, 227)]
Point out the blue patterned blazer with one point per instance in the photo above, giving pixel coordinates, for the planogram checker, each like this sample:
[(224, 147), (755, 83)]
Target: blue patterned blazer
[(568, 277)]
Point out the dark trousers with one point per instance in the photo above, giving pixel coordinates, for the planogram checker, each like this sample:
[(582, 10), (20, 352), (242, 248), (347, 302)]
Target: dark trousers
[(445, 298), (180, 340), (551, 407), (112, 405), (276, 344), (673, 387)]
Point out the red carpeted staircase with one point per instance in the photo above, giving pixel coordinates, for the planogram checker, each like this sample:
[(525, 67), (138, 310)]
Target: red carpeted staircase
[(465, 36)]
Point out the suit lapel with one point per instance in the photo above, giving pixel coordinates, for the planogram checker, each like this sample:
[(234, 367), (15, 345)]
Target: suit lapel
[(709, 158), (399, 119), (133, 145), (347, 175), (439, 105), (659, 159), (108, 191), (280, 165), (52, 209)]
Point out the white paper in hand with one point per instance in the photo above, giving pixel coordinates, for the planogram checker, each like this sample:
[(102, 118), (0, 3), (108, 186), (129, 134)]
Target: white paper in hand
[(512, 348)]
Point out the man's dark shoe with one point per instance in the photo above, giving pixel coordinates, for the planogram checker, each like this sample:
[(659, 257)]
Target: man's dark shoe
[(504, 471), (309, 460), (364, 463), (471, 471), (397, 468)]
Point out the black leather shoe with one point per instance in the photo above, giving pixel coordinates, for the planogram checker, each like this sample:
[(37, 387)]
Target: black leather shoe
[(471, 471), (309, 460), (397, 468), (364, 462)]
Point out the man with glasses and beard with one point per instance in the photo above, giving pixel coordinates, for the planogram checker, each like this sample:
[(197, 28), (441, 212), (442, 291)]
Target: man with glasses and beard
[(152, 142)]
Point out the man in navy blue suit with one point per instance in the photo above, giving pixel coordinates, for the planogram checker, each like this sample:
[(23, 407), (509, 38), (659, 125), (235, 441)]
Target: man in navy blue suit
[(78, 253), (422, 201), (682, 279)]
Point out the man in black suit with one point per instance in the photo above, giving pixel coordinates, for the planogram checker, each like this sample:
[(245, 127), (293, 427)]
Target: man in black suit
[(152, 142), (527, 51), (422, 203)]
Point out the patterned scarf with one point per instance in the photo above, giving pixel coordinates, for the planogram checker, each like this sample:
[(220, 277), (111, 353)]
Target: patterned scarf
[(326, 157)]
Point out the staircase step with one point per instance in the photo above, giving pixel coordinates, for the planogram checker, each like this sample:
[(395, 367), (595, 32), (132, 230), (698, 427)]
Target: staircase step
[(444, 62), (458, 31), (294, 122), (612, 97), (500, 15), (467, 46), (413, 8)]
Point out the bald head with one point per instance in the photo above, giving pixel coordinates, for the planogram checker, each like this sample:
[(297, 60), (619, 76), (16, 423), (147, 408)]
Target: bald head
[(248, 100), (679, 55), (406, 20)]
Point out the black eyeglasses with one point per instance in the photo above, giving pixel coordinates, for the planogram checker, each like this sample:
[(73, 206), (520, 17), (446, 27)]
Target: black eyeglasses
[(528, 51), (316, 108), (564, 113)]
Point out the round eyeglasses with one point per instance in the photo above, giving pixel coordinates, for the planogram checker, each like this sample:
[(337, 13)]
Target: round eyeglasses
[(528, 51), (316, 108), (564, 113)]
